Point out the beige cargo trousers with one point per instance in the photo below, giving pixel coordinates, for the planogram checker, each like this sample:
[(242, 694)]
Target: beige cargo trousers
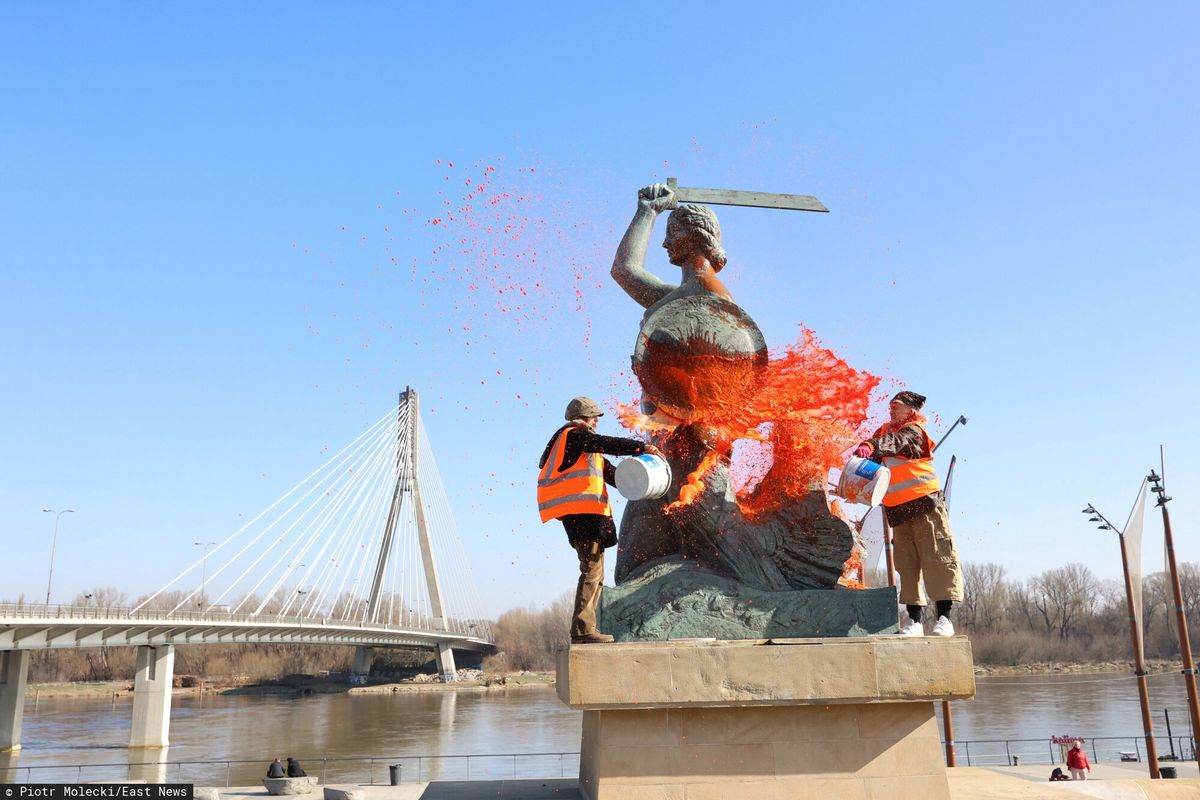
[(923, 547)]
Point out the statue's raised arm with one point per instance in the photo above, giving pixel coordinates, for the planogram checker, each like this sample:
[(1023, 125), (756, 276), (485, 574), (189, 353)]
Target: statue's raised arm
[(629, 265)]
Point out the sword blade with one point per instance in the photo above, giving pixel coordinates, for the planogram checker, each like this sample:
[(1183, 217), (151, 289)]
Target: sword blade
[(734, 197)]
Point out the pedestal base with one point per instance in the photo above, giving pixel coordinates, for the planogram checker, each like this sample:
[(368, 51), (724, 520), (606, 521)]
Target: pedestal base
[(848, 718)]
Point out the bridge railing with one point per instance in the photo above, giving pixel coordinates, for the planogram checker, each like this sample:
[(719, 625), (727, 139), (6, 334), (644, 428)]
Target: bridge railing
[(473, 629), (363, 769)]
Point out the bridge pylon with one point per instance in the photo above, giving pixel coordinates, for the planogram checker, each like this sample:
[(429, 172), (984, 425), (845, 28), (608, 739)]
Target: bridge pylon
[(407, 490)]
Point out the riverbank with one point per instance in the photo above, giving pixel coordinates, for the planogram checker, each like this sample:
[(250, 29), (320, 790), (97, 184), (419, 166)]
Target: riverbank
[(474, 680), (1066, 668), (468, 680)]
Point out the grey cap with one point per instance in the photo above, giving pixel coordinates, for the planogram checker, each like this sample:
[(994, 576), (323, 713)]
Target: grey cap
[(583, 407)]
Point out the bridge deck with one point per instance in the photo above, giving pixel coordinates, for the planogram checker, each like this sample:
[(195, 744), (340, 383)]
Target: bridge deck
[(25, 627)]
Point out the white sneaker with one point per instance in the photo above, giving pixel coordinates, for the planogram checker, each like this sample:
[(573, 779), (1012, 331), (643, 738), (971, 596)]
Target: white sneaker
[(944, 627), (911, 628)]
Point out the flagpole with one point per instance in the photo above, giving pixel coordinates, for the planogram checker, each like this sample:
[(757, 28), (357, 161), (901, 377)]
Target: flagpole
[(947, 712), (1135, 634), (1185, 644)]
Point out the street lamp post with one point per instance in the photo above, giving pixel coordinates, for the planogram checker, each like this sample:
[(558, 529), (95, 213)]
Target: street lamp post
[(300, 593), (1136, 635), (203, 570), (1185, 644), (54, 544)]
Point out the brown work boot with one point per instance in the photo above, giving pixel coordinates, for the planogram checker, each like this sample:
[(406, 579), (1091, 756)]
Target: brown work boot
[(596, 637)]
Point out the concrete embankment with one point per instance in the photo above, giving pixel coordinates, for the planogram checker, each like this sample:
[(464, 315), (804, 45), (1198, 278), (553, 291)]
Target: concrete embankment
[(1109, 782)]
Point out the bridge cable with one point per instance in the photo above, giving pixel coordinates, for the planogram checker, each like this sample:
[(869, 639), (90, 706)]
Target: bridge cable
[(199, 562)]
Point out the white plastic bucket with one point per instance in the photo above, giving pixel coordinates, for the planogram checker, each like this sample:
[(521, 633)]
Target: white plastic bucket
[(864, 481), (644, 477)]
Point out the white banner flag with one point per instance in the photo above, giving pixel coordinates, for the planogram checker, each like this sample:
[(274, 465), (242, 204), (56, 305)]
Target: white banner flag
[(1133, 552), (871, 532)]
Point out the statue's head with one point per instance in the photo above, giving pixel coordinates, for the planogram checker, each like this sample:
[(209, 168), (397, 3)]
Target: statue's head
[(692, 228)]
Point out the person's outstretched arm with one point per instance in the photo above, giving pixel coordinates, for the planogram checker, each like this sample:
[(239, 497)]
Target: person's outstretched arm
[(629, 265), (582, 441), (908, 442)]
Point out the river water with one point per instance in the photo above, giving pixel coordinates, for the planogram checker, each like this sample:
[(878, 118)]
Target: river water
[(343, 737)]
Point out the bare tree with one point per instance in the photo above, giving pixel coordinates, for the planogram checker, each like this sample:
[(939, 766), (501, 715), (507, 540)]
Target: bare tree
[(985, 602), (163, 602), (1111, 610), (1189, 582), (1064, 597), (1020, 596), (104, 663), (527, 638)]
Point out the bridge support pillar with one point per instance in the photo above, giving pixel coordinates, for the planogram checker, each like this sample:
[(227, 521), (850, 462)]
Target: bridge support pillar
[(14, 671), (360, 667), (445, 662), (152, 696)]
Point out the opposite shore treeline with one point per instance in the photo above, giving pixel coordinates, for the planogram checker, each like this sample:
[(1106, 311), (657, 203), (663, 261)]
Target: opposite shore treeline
[(1065, 615)]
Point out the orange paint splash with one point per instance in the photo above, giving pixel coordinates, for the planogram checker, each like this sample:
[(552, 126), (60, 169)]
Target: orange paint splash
[(806, 406), (853, 573), (694, 486), (635, 420)]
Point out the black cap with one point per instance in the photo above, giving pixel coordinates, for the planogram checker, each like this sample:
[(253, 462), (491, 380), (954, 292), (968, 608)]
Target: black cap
[(910, 399)]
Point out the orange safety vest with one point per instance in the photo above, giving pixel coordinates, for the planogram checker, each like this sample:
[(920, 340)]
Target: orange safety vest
[(912, 478), (579, 489)]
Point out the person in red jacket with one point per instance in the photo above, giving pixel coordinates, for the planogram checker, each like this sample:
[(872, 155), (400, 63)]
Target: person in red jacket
[(1077, 762)]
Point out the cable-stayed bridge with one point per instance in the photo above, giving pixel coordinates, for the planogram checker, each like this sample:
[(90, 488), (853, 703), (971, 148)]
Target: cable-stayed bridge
[(364, 551)]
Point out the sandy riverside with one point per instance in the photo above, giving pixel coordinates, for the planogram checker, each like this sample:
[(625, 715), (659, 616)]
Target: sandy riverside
[(113, 790)]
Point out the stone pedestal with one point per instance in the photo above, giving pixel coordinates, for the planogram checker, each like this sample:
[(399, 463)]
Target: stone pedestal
[(836, 718)]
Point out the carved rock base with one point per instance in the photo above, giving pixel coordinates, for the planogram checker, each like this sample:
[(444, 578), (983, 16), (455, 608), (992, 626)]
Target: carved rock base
[(678, 600)]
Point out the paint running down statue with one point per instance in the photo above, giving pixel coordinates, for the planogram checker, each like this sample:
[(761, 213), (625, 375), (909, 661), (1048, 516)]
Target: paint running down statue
[(706, 377)]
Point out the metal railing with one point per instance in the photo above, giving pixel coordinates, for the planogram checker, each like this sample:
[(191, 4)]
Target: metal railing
[(373, 770), (993, 752), (366, 770)]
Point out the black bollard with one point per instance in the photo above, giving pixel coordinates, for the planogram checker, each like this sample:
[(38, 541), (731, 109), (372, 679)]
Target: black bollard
[(394, 774)]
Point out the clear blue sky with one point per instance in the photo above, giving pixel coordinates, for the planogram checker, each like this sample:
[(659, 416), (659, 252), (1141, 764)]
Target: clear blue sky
[(199, 297)]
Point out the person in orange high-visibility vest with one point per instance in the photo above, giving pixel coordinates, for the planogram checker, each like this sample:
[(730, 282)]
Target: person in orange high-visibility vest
[(923, 545), (571, 487)]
